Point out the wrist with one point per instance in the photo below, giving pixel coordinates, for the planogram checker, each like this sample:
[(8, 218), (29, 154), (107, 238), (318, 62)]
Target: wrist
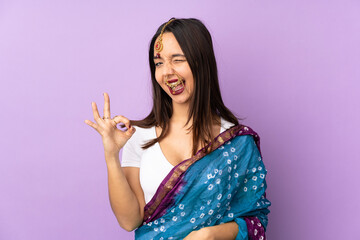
[(112, 158)]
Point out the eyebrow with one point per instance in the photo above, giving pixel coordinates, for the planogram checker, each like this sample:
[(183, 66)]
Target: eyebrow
[(172, 56)]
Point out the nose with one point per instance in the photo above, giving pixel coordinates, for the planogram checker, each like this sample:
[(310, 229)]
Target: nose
[(168, 69)]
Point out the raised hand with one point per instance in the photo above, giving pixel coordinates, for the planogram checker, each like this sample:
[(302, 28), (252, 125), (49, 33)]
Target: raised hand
[(113, 138)]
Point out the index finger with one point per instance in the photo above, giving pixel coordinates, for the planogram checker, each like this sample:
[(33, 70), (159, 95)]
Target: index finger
[(106, 106), (95, 111)]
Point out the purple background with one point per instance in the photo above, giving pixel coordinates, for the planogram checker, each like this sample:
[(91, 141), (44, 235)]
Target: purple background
[(291, 68)]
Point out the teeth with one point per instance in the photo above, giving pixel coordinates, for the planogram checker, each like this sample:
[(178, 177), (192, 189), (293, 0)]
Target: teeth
[(177, 87), (175, 84)]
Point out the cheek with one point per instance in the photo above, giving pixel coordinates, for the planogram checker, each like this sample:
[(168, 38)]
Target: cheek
[(191, 85), (187, 73), (159, 81), (157, 77)]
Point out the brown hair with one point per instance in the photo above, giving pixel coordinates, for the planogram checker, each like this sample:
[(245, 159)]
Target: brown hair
[(206, 102)]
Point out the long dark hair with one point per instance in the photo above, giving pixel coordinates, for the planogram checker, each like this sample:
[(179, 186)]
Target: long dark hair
[(206, 101)]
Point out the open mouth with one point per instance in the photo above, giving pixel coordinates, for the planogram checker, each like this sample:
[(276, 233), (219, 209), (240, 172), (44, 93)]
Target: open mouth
[(176, 86)]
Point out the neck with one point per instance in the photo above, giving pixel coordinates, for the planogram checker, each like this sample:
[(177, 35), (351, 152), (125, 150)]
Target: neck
[(180, 114)]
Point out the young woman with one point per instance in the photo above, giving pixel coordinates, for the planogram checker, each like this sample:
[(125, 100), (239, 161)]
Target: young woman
[(189, 170)]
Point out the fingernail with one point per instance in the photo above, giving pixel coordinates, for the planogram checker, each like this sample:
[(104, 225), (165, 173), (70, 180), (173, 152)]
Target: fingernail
[(129, 126)]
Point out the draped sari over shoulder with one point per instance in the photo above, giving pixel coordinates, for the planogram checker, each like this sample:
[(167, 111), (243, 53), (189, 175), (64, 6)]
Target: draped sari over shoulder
[(226, 184)]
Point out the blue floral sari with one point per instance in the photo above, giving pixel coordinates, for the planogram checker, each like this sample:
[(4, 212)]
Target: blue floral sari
[(226, 184)]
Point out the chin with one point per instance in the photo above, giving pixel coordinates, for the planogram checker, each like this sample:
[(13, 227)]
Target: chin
[(180, 100)]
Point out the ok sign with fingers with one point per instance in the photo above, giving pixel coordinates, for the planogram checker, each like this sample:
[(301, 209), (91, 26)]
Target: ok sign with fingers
[(113, 138)]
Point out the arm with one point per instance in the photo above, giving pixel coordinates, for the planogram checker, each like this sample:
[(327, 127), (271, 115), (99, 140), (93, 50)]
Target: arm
[(226, 231), (123, 190), (124, 202)]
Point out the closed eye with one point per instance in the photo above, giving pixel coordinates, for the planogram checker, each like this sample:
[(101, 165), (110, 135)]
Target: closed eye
[(179, 60)]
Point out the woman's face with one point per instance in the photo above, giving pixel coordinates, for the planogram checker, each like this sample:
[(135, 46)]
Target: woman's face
[(172, 70)]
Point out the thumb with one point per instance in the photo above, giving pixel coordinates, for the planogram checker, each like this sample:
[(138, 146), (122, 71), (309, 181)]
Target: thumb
[(130, 131)]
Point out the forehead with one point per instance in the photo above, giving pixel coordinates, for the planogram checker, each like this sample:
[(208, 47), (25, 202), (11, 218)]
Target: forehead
[(170, 45)]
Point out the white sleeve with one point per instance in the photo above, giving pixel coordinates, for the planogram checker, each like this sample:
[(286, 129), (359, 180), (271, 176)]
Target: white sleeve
[(132, 151)]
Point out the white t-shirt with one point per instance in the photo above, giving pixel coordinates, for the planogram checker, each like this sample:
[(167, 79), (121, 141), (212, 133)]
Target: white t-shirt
[(153, 165)]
